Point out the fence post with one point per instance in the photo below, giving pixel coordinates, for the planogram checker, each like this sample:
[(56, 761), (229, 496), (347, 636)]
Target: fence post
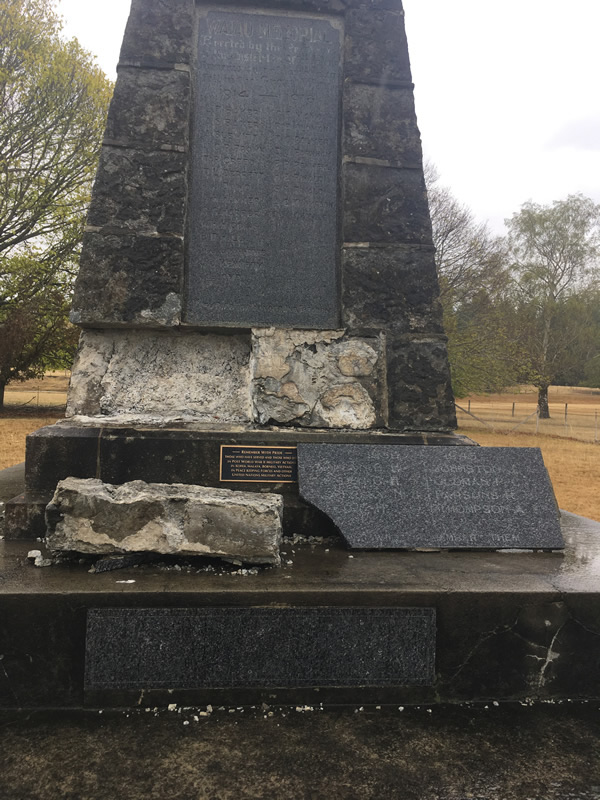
[(537, 420), (513, 410), (469, 407)]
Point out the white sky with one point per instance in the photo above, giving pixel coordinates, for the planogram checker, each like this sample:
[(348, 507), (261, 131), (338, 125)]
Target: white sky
[(506, 90)]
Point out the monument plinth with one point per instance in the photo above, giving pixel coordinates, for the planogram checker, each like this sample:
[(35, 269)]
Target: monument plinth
[(260, 321)]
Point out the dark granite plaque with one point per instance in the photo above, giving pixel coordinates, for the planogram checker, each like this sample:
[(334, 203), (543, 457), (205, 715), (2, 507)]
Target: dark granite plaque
[(385, 497), (258, 464), (186, 648), (263, 232)]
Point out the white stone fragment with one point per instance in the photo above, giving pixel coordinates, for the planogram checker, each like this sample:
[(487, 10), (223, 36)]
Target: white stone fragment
[(88, 516), (38, 559)]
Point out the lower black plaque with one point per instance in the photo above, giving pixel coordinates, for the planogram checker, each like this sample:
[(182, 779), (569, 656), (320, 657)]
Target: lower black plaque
[(195, 648), (259, 464)]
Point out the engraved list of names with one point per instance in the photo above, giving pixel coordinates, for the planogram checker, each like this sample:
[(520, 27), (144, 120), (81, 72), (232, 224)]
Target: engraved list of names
[(263, 239)]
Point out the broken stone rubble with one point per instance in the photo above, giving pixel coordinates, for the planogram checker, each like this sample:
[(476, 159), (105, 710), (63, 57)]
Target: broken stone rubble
[(91, 517)]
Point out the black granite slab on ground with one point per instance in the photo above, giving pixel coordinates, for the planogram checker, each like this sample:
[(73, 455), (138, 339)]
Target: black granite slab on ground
[(432, 497), (191, 648)]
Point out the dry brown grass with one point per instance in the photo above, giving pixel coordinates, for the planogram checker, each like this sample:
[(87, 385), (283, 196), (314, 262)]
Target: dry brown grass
[(47, 392), (570, 451), (574, 466), (528, 394), (574, 412), (51, 382), (13, 430)]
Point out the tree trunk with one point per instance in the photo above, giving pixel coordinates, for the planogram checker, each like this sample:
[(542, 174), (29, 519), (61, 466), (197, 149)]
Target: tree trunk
[(2, 385), (543, 408)]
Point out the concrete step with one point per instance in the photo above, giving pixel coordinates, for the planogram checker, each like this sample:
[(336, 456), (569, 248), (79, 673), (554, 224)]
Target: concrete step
[(508, 626)]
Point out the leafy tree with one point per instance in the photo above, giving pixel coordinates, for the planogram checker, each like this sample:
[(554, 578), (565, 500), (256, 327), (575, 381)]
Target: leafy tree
[(555, 259), (53, 104), (474, 279), (591, 350), (578, 320)]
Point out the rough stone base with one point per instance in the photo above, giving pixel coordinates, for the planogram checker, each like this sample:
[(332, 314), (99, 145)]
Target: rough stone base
[(510, 627), (154, 377), (332, 380), (89, 516)]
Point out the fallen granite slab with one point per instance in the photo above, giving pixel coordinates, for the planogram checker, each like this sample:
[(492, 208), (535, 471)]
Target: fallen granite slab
[(386, 497), (92, 517)]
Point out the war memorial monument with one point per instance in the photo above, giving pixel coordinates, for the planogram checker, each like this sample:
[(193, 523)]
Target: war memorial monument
[(262, 380)]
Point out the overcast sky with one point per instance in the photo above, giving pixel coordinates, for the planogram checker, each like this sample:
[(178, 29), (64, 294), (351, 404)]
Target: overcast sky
[(507, 92)]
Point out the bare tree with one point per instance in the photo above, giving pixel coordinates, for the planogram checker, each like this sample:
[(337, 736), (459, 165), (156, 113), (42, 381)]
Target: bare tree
[(474, 283)]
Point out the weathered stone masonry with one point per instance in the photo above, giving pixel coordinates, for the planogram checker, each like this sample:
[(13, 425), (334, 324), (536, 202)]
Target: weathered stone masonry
[(133, 267)]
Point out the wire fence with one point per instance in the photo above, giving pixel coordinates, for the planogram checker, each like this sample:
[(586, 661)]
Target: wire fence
[(571, 420), (35, 398), (49, 392), (577, 419)]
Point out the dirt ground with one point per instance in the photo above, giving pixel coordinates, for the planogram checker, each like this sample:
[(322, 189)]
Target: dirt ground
[(490, 752)]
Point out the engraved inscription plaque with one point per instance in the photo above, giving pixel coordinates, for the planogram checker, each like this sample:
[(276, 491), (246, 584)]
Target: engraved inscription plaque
[(388, 497), (189, 648), (263, 233), (259, 464)]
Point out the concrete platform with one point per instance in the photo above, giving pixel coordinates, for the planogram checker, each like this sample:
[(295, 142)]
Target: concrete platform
[(509, 625)]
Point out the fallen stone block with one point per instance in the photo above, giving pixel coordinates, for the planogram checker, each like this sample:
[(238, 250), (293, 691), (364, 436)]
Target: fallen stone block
[(92, 517)]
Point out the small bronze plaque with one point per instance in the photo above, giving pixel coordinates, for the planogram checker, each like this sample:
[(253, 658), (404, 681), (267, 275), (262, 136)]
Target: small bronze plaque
[(259, 464)]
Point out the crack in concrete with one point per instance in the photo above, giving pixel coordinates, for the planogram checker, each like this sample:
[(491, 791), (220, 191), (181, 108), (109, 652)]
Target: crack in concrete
[(8, 681), (483, 638), (551, 656)]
